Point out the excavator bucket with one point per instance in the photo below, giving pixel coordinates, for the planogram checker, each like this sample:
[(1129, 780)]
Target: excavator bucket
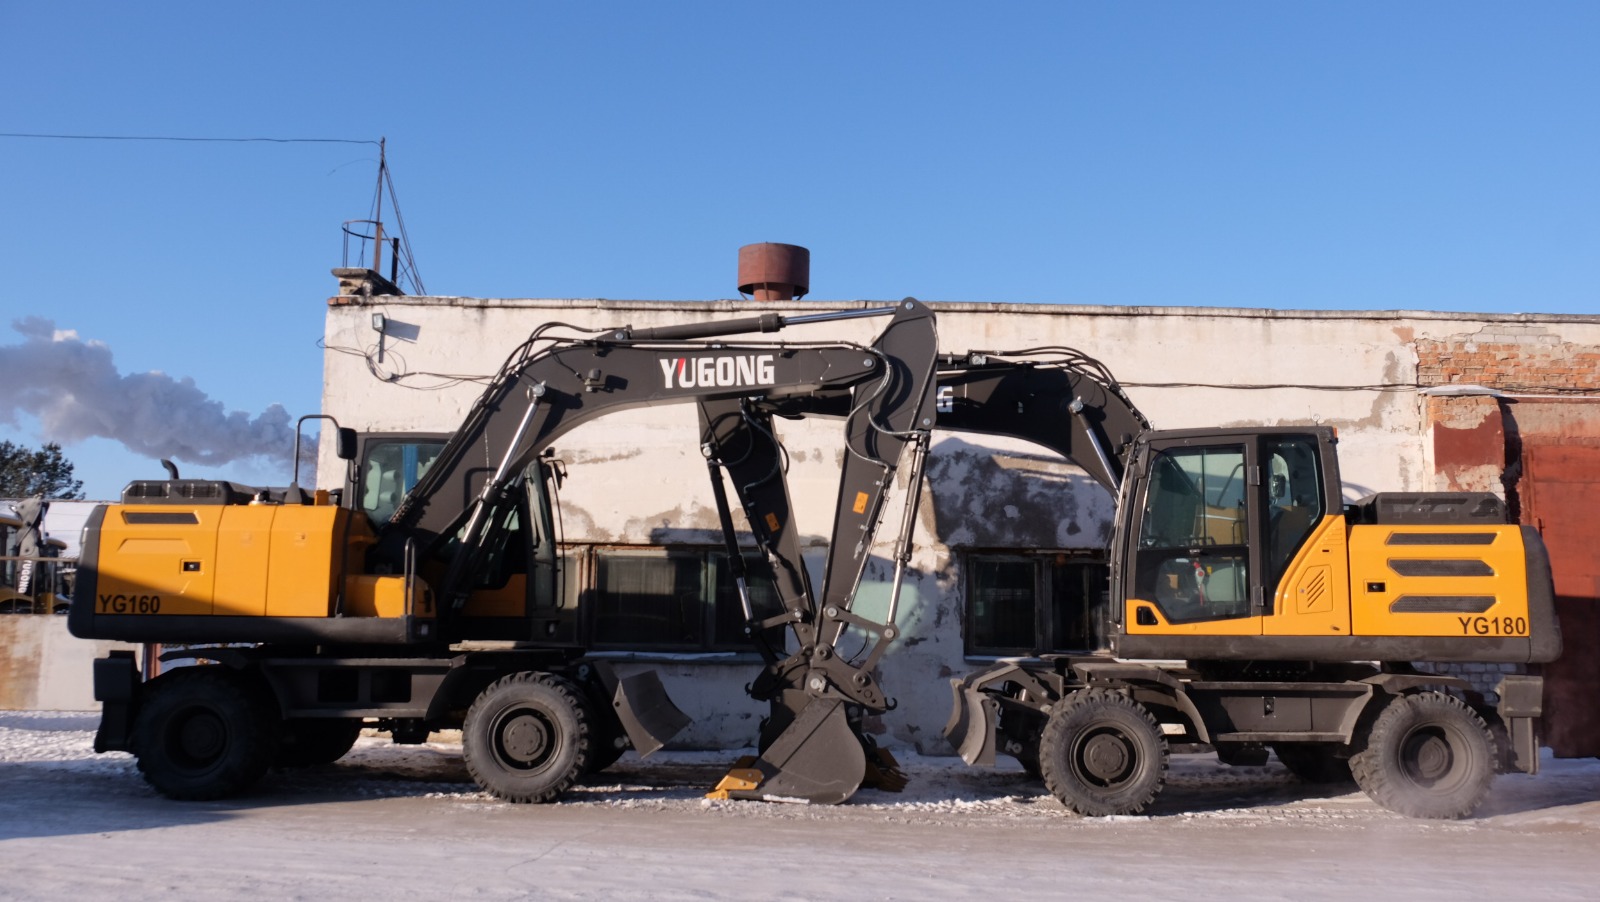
[(817, 760), (648, 716), (973, 718)]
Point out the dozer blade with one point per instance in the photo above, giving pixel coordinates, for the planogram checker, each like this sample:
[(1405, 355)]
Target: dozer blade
[(973, 718), (817, 760), (648, 716)]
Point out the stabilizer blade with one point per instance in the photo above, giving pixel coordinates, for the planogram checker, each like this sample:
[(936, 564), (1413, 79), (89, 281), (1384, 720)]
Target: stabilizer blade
[(648, 716), (971, 729)]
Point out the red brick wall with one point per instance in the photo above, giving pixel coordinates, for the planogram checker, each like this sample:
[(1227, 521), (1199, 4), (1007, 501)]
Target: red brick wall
[(1509, 362), (1549, 471)]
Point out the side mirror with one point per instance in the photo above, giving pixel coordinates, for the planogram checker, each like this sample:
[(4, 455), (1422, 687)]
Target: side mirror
[(346, 448)]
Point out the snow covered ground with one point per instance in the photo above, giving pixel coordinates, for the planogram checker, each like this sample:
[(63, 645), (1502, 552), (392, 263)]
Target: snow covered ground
[(406, 822)]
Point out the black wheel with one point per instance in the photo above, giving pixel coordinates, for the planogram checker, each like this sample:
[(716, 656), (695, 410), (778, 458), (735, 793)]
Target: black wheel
[(1102, 753), (309, 741), (203, 732), (1313, 762), (1427, 755), (526, 737)]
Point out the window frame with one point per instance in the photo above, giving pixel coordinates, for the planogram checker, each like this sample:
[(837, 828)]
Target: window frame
[(1050, 567), (370, 443), (710, 562), (1164, 557)]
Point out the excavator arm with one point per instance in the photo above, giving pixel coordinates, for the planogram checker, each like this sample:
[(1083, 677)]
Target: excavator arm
[(811, 746), (811, 749), (1055, 397)]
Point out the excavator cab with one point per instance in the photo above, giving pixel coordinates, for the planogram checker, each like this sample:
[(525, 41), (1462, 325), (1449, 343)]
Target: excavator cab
[(1216, 519)]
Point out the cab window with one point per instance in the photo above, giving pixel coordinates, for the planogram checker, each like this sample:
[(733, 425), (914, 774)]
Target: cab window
[(1294, 498), (392, 469)]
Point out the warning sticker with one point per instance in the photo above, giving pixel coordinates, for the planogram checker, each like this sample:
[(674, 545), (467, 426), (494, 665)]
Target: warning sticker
[(772, 522), (860, 506)]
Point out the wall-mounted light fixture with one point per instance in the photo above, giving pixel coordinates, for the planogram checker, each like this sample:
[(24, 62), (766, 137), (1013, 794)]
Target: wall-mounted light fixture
[(379, 321)]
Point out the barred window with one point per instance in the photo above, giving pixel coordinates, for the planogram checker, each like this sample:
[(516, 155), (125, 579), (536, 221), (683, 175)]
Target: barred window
[(674, 600)]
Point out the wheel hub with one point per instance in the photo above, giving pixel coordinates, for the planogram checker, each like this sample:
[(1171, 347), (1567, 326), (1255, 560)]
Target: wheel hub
[(200, 737), (525, 739), (1106, 757), (1429, 757)]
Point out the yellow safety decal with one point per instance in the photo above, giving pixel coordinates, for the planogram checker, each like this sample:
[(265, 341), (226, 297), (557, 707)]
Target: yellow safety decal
[(861, 503), (772, 522)]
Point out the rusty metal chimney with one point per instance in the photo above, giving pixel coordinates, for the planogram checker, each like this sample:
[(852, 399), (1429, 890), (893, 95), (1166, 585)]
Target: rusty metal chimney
[(774, 272)]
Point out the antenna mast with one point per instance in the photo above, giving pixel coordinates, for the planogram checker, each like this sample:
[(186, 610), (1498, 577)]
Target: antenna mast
[(377, 244)]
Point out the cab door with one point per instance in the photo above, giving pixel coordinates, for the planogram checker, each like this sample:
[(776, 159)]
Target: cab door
[(1191, 563), (1307, 559)]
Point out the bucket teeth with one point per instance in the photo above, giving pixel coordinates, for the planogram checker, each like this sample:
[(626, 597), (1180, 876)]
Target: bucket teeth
[(884, 772), (742, 777)]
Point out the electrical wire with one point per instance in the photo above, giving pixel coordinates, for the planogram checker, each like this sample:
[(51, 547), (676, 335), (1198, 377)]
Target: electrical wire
[(398, 376), (1271, 386), (188, 139), (1377, 387), (409, 264), (406, 261)]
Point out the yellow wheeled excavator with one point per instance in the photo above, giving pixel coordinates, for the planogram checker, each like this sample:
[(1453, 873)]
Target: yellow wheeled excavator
[(1252, 608), (317, 620)]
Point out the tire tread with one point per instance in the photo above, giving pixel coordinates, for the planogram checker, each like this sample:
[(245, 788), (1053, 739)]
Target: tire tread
[(1376, 766), (496, 779), (1054, 745)]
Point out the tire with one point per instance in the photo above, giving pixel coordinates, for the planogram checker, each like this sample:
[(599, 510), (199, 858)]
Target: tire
[(526, 737), (309, 741), (1102, 754), (202, 733), (1313, 762), (1426, 755)]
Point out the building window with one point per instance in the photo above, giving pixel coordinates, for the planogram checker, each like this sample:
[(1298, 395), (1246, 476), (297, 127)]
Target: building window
[(1019, 604), (677, 600)]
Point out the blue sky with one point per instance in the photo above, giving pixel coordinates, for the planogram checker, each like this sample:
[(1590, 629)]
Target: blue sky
[(1419, 155)]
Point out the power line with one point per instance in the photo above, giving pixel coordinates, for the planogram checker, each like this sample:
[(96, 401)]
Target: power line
[(189, 139)]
